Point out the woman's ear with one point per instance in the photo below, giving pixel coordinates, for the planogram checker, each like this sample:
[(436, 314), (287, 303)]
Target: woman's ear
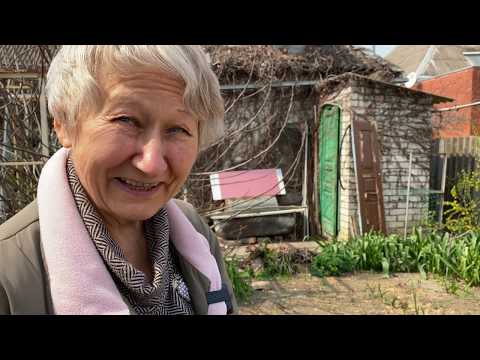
[(62, 134)]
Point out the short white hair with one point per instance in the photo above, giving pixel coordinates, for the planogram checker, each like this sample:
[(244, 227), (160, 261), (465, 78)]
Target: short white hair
[(74, 74)]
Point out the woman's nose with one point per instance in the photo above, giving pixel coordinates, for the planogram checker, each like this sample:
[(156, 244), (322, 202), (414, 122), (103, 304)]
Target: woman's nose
[(151, 158)]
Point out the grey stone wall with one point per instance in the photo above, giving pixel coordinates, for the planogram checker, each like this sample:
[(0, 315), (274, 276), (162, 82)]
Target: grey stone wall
[(270, 113), (265, 111), (403, 123)]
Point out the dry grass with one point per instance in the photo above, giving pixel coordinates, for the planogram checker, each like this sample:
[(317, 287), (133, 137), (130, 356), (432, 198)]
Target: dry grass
[(362, 293)]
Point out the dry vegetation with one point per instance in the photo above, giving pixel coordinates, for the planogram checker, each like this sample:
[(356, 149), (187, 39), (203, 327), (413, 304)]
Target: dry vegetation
[(258, 121), (265, 63)]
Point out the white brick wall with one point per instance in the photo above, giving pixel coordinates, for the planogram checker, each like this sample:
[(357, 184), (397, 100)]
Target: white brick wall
[(396, 116)]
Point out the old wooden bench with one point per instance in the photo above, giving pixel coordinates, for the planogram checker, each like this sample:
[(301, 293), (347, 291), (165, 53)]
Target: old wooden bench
[(253, 194)]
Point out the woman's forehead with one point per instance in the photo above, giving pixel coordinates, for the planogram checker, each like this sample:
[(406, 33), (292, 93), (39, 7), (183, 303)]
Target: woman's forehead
[(143, 88), (148, 80)]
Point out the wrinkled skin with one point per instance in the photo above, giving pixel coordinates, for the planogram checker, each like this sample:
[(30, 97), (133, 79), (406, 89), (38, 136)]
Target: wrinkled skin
[(142, 133)]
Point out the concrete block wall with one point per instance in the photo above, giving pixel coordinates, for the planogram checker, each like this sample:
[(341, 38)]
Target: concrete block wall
[(403, 124)]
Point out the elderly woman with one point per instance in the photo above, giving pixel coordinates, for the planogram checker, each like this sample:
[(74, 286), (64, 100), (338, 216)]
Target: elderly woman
[(105, 234)]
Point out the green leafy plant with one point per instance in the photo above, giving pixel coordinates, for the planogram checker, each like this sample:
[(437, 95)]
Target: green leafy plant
[(424, 251), (280, 262), (241, 279), (334, 259), (463, 212)]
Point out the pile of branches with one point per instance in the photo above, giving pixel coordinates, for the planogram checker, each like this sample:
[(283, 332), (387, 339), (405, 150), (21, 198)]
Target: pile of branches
[(26, 58), (263, 63)]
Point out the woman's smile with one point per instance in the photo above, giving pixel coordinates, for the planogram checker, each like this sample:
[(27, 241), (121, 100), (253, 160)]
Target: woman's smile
[(137, 188)]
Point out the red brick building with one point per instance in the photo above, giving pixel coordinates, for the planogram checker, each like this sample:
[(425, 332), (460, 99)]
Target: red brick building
[(463, 86), (451, 71)]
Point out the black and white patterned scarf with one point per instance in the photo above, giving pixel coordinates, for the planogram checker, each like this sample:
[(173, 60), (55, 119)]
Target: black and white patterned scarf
[(168, 293)]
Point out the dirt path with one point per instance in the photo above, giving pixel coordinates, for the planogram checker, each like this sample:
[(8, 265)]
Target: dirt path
[(362, 293)]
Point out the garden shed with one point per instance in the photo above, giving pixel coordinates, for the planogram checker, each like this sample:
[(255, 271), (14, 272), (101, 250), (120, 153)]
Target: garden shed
[(401, 119), (272, 109)]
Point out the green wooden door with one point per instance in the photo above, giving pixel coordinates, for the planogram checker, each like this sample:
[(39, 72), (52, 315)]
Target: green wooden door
[(328, 170)]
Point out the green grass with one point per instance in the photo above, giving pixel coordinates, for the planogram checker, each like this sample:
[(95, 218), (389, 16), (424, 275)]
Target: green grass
[(423, 251)]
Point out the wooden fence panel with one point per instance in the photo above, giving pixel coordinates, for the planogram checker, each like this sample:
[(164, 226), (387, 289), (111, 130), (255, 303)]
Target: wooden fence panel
[(462, 154)]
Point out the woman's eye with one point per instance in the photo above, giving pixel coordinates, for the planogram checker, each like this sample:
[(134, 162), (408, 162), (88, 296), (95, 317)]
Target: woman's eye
[(126, 120), (178, 130)]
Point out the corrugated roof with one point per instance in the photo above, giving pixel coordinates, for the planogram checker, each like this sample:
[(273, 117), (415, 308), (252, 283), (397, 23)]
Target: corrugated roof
[(442, 58)]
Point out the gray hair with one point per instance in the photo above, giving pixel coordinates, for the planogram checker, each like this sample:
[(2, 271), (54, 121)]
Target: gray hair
[(73, 76)]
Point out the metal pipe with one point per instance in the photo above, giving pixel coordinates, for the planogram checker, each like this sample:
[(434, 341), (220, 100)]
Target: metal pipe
[(444, 176), (298, 209), (21, 163), (277, 84), (26, 75), (458, 107), (426, 60), (408, 195)]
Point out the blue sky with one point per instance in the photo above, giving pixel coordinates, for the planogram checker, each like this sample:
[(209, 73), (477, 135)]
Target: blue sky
[(381, 50)]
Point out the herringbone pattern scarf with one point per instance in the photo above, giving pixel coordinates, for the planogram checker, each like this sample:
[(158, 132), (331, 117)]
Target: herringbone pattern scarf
[(168, 293)]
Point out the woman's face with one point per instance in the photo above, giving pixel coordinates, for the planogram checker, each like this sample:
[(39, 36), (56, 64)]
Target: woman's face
[(136, 153)]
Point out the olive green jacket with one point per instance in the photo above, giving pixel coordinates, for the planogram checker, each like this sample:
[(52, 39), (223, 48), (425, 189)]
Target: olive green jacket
[(24, 286)]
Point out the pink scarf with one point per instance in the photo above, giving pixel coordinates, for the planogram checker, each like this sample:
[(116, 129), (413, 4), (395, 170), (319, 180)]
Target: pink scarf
[(80, 283)]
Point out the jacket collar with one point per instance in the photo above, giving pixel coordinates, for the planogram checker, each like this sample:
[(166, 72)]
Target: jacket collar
[(72, 266), (198, 285)]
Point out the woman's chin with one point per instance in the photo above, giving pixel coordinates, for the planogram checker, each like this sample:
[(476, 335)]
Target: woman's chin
[(137, 214)]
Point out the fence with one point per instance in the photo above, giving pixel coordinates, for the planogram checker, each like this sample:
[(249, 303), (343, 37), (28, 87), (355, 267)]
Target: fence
[(460, 154), (25, 130), (24, 141)]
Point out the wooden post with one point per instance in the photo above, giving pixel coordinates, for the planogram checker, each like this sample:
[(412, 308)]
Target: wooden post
[(306, 230), (355, 170), (315, 159), (45, 133), (4, 158)]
